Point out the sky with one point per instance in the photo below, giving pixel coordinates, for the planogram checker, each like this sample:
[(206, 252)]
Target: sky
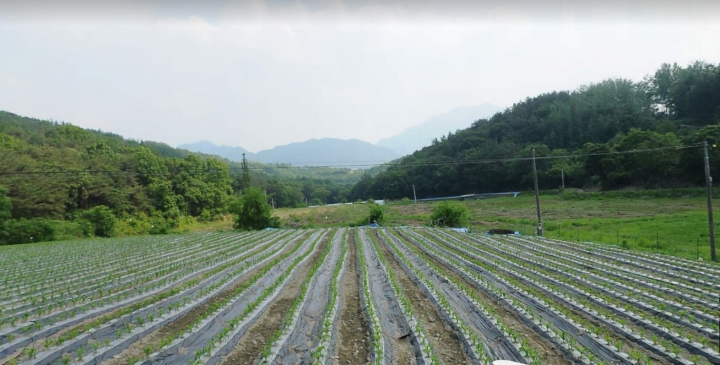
[(262, 73)]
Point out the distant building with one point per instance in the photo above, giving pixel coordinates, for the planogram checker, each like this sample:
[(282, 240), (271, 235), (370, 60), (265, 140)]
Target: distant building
[(380, 202)]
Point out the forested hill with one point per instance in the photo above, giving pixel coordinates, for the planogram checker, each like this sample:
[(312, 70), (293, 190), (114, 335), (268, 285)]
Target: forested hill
[(674, 106), (58, 181)]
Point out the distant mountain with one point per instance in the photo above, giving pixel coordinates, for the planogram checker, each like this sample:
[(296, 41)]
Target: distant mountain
[(228, 152), (419, 136), (314, 152)]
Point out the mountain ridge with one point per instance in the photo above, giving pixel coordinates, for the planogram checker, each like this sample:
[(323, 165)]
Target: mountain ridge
[(312, 152), (418, 136)]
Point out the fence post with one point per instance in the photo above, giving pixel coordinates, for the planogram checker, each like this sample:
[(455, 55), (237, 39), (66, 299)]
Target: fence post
[(617, 233), (577, 229), (657, 240)]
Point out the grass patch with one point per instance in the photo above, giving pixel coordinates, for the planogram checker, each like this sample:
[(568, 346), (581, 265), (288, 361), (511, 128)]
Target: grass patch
[(671, 222)]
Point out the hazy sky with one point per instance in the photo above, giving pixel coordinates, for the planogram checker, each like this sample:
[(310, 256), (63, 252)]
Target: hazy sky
[(262, 73)]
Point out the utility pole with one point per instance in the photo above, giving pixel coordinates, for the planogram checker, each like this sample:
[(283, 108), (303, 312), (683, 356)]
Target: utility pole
[(562, 176), (273, 202), (414, 195), (537, 195), (708, 187)]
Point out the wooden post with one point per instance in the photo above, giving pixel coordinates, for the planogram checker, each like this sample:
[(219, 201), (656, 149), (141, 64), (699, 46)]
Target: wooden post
[(708, 191)]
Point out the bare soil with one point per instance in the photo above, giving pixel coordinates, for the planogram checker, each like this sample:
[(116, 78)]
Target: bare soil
[(626, 346), (251, 344), (545, 348), (402, 349), (446, 343), (136, 350), (353, 334)]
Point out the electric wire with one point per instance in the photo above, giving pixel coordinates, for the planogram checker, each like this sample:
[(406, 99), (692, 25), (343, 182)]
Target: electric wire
[(349, 165)]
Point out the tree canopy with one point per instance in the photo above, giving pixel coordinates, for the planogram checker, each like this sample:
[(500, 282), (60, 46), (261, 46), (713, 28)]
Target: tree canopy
[(252, 212), (59, 173), (676, 106)]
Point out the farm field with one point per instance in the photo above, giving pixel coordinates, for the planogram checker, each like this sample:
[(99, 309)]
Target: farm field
[(353, 296), (672, 222)]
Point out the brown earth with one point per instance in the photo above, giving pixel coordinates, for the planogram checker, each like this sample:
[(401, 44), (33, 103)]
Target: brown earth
[(353, 335), (136, 349), (545, 348), (252, 343), (446, 344), (616, 338), (403, 351)]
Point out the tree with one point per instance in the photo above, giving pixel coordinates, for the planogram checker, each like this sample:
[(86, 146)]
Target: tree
[(245, 180), (450, 214), (102, 219), (252, 212), (5, 208)]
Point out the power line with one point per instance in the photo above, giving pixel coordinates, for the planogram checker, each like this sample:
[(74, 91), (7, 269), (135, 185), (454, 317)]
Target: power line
[(289, 167)]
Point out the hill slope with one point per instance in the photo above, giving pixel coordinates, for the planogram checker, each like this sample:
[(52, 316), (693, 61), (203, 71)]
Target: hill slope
[(611, 116), (419, 136), (56, 178)]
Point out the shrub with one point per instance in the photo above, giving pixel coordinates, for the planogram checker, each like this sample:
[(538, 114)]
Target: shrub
[(405, 201), (39, 230), (450, 214), (377, 214), (136, 224), (102, 219), (252, 212)]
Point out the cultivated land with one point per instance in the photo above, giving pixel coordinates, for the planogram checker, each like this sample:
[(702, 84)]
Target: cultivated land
[(353, 296), (671, 225)]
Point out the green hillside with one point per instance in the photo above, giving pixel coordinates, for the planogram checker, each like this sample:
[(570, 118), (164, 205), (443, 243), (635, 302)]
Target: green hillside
[(673, 107), (58, 180)]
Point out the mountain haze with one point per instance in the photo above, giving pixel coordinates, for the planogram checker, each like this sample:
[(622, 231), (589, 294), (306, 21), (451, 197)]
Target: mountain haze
[(419, 136), (313, 152), (229, 152)]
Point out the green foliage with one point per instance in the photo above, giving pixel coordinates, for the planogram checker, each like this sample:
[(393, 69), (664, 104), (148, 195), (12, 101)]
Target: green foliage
[(5, 208), (450, 214), (153, 187), (377, 214), (102, 219), (252, 212), (405, 201), (39, 230), (610, 116)]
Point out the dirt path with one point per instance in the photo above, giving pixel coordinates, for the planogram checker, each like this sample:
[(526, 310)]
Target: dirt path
[(250, 346), (353, 335), (545, 348), (447, 345), (136, 350)]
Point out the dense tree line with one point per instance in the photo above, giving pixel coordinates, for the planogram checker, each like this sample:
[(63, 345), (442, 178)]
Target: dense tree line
[(59, 181), (675, 106)]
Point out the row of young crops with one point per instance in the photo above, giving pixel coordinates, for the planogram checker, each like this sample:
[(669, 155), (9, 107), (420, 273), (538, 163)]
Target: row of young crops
[(353, 296)]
